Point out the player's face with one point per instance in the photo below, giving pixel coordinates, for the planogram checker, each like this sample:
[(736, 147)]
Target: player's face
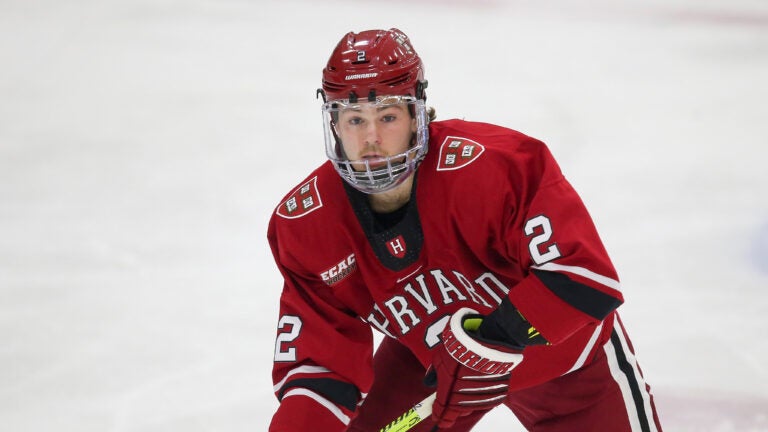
[(373, 132)]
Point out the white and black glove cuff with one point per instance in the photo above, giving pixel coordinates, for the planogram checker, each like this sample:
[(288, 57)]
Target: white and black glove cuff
[(481, 356)]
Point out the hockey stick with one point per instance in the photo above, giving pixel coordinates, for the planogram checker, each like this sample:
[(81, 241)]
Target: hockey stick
[(412, 417)]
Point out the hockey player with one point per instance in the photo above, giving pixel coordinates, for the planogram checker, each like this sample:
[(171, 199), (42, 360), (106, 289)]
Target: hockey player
[(464, 245)]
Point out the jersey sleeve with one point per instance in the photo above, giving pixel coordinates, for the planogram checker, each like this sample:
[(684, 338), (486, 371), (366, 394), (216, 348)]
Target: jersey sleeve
[(570, 281), (323, 352)]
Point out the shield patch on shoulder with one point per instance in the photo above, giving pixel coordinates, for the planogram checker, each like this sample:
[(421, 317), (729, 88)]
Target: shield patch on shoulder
[(458, 152), (304, 200)]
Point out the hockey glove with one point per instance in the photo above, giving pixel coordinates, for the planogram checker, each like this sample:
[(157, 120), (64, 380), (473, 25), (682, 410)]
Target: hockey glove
[(472, 374)]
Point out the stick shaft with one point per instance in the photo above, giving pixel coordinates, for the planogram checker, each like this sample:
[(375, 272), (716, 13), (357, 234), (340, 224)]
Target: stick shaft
[(412, 417)]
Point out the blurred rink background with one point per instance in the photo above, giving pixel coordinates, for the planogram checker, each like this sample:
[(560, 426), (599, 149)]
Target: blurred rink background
[(144, 144)]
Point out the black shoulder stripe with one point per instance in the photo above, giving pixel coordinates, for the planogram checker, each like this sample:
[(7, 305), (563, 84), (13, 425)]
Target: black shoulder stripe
[(582, 297), (339, 392)]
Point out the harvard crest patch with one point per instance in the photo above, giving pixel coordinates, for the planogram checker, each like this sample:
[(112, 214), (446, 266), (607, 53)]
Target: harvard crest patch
[(397, 247), (458, 152), (304, 200)]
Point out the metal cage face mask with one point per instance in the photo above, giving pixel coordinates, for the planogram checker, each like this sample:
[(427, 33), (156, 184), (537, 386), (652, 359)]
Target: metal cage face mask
[(376, 174)]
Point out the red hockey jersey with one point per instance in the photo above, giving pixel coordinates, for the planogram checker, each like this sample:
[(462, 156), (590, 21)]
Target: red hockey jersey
[(491, 216)]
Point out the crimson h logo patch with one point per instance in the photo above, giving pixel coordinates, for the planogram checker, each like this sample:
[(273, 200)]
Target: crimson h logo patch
[(397, 247)]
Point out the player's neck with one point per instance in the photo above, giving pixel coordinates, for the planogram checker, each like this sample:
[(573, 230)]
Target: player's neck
[(389, 201)]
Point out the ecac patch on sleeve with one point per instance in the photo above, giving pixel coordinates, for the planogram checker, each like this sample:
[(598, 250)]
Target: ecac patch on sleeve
[(458, 152), (304, 200)]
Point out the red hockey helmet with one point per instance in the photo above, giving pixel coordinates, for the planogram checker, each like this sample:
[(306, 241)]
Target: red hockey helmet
[(373, 63)]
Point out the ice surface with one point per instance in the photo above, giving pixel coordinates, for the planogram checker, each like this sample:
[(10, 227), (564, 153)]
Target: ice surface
[(143, 145)]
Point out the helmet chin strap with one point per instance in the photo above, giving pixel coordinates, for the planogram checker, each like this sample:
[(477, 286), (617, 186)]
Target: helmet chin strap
[(320, 92)]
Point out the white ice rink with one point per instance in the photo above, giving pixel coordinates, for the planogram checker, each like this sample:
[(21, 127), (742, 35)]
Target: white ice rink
[(143, 145)]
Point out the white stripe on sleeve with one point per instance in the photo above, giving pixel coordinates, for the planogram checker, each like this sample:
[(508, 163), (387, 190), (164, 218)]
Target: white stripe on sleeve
[(300, 369), (587, 349), (581, 271), (330, 406)]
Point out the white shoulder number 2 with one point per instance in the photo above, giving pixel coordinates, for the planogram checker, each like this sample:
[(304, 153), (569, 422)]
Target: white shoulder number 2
[(293, 324), (545, 228)]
